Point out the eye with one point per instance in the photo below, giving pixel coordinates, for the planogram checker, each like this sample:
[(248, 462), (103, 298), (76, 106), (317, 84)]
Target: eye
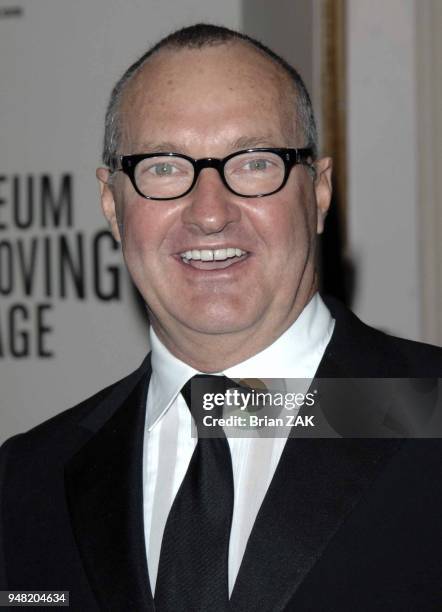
[(257, 165), (162, 169), (254, 164)]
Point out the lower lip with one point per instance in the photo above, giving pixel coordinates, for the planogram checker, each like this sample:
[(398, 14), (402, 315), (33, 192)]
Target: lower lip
[(219, 267)]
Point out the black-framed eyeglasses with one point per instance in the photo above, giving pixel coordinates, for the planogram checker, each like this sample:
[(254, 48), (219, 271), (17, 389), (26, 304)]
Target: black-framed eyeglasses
[(251, 173)]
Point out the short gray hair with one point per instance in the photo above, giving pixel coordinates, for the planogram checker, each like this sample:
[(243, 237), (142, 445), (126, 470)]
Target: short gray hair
[(196, 37)]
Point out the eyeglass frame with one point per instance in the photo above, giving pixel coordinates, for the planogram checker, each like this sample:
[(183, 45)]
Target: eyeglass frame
[(291, 157)]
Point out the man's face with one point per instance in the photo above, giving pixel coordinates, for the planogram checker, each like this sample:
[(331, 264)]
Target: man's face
[(210, 103)]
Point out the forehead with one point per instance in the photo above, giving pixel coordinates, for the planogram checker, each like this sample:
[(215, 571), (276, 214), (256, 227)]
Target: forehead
[(207, 89)]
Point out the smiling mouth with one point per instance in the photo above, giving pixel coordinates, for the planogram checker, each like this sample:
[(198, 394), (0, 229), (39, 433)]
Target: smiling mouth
[(216, 259)]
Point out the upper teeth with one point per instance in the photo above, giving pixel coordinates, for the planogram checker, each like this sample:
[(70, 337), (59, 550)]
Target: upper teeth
[(210, 255)]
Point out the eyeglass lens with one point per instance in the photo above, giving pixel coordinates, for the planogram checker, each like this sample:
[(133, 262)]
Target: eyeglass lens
[(249, 174)]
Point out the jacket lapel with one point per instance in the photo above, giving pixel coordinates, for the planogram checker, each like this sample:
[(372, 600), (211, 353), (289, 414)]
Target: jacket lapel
[(105, 497), (316, 485)]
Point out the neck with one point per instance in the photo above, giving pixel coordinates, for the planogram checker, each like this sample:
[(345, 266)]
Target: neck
[(217, 352)]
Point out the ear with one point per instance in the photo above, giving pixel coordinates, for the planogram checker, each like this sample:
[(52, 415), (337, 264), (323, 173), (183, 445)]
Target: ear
[(323, 189), (108, 202)]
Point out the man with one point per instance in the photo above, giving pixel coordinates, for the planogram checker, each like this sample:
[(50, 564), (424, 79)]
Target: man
[(114, 500)]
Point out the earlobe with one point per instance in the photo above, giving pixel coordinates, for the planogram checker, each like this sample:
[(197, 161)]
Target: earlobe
[(323, 190), (108, 202)]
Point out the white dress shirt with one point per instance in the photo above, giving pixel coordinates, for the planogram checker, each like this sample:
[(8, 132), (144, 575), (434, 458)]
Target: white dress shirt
[(168, 444)]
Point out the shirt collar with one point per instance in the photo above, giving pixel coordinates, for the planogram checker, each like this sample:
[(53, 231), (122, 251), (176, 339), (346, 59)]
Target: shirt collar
[(169, 375), (295, 354)]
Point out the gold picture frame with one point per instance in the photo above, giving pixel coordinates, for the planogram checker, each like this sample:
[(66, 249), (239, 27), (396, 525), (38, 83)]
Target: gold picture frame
[(333, 100)]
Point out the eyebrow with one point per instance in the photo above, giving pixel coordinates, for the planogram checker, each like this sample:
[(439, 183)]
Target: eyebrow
[(244, 142), (154, 147), (247, 142)]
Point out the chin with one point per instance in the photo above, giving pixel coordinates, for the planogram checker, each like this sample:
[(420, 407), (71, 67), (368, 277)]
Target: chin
[(221, 322)]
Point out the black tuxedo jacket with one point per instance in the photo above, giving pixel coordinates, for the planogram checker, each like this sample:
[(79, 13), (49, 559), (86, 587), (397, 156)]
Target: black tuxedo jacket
[(347, 524)]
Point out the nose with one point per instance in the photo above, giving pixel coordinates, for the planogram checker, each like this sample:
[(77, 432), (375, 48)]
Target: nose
[(211, 206)]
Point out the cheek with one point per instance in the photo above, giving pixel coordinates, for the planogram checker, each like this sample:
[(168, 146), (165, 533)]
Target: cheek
[(300, 221), (286, 228), (145, 226), (139, 244), (136, 231)]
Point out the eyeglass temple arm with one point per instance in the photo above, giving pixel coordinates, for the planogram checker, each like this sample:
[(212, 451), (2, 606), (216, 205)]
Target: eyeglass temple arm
[(115, 164)]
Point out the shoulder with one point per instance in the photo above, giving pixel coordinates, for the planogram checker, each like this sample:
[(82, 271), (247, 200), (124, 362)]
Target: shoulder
[(60, 434), (361, 350)]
